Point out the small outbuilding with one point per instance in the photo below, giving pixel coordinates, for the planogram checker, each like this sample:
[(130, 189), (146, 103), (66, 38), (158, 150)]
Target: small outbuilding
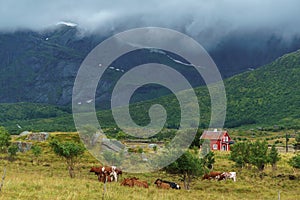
[(218, 140)]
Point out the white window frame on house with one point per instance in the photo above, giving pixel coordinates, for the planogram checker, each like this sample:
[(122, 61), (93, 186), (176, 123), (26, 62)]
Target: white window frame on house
[(215, 146), (226, 139)]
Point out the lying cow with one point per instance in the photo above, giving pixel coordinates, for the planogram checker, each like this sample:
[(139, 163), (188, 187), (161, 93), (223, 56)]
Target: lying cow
[(166, 184), (134, 182)]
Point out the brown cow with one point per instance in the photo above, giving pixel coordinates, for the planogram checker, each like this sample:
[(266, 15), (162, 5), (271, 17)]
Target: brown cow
[(97, 170), (166, 184), (212, 175), (102, 177), (161, 184), (134, 182)]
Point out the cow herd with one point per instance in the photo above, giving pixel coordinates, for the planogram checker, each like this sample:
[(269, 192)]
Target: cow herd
[(112, 173)]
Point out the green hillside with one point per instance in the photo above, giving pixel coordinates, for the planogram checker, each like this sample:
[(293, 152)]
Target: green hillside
[(269, 95), (264, 97)]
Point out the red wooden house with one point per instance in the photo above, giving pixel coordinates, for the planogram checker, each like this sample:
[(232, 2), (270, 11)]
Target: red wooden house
[(219, 140)]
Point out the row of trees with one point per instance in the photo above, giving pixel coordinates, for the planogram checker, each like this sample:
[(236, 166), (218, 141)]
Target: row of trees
[(247, 154)]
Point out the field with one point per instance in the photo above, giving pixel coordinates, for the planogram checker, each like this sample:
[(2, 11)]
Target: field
[(49, 179)]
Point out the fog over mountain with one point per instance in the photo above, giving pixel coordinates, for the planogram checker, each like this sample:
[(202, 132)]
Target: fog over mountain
[(207, 20), (43, 42)]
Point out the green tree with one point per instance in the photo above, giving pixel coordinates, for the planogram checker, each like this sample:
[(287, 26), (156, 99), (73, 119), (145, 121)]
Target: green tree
[(4, 139), (274, 157), (70, 151), (36, 151), (258, 154), (196, 142), (12, 151), (295, 161), (189, 165), (297, 138), (209, 160), (240, 153), (121, 135), (154, 148), (140, 150)]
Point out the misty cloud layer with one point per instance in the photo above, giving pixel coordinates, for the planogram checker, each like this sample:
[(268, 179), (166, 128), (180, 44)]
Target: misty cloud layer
[(213, 19)]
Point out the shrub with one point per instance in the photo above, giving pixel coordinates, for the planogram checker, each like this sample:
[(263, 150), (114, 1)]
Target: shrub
[(295, 161), (37, 151), (240, 154), (4, 139), (12, 151), (258, 154), (273, 157)]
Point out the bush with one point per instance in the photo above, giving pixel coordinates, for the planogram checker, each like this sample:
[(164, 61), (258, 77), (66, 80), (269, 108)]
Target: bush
[(4, 139), (250, 153), (295, 161), (240, 154), (297, 138), (12, 151), (273, 157), (37, 151), (258, 154), (140, 150)]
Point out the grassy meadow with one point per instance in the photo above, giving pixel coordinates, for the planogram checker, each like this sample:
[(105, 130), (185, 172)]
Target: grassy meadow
[(49, 179)]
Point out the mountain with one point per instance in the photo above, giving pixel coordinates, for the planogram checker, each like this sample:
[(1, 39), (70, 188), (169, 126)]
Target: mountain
[(40, 67), (265, 97)]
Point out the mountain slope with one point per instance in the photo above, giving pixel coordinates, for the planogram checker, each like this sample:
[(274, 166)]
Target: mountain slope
[(265, 97), (268, 95), (40, 67)]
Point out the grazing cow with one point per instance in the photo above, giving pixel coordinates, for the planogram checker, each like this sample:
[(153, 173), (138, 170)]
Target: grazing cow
[(107, 171), (228, 175), (212, 175), (134, 182), (166, 184), (102, 177)]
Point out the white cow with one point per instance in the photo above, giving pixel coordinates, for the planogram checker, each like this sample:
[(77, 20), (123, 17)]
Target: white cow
[(231, 175)]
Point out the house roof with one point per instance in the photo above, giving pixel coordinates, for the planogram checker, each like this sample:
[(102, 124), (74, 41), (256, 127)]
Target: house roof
[(212, 135)]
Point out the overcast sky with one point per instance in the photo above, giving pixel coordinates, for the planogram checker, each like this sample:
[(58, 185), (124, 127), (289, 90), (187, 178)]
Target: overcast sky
[(191, 16)]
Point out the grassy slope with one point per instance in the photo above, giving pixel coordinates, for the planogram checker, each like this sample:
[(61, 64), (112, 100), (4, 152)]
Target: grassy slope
[(50, 180)]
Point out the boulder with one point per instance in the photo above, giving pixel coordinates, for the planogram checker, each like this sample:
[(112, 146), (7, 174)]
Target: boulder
[(41, 136)]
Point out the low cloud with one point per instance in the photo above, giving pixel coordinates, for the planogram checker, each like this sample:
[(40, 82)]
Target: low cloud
[(198, 18)]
